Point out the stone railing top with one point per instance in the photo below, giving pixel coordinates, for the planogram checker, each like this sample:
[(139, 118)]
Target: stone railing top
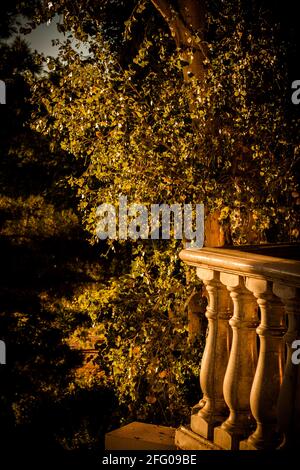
[(248, 261)]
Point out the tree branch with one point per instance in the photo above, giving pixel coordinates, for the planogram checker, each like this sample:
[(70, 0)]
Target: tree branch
[(173, 20), (184, 23)]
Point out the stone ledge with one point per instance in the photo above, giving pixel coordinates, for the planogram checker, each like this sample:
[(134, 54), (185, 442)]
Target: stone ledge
[(141, 436), (185, 439), (250, 263)]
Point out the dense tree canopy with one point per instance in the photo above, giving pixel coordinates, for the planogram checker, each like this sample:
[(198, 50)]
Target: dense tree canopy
[(226, 133), (204, 118)]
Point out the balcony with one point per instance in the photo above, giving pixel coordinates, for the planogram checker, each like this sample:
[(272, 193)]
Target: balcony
[(250, 385)]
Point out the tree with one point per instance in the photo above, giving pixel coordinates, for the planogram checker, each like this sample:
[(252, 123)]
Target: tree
[(136, 128), (204, 33), (188, 25)]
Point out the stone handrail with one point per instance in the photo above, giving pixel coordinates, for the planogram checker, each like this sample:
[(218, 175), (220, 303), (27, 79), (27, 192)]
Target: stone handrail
[(250, 385)]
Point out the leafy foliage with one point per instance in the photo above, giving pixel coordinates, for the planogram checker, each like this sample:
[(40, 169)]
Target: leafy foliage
[(118, 135), (143, 132), (44, 259), (139, 130), (142, 342), (121, 121)]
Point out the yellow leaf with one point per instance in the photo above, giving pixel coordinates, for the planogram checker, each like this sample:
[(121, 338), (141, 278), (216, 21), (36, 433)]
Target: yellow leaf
[(150, 399), (163, 374)]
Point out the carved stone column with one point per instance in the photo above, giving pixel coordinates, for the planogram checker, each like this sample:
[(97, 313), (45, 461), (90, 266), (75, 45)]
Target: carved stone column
[(241, 366), (289, 396), (211, 409), (269, 371)]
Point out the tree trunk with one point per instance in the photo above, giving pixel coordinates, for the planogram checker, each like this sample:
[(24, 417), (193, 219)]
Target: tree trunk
[(188, 19)]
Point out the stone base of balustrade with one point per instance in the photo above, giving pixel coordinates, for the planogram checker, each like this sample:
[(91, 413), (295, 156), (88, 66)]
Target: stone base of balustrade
[(186, 439), (202, 427), (226, 440), (246, 445), (249, 444)]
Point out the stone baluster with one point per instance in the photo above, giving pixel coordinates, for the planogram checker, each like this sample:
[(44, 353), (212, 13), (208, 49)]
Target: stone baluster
[(212, 409), (269, 371), (289, 396), (241, 366)]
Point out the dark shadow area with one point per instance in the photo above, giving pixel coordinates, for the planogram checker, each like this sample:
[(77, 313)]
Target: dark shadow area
[(288, 251), (46, 416), (43, 415)]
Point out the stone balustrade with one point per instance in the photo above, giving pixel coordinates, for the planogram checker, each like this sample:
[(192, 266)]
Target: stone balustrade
[(250, 385)]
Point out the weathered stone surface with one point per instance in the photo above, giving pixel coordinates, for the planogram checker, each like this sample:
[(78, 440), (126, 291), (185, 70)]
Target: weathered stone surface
[(141, 436), (212, 410), (241, 366), (186, 439), (261, 395)]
